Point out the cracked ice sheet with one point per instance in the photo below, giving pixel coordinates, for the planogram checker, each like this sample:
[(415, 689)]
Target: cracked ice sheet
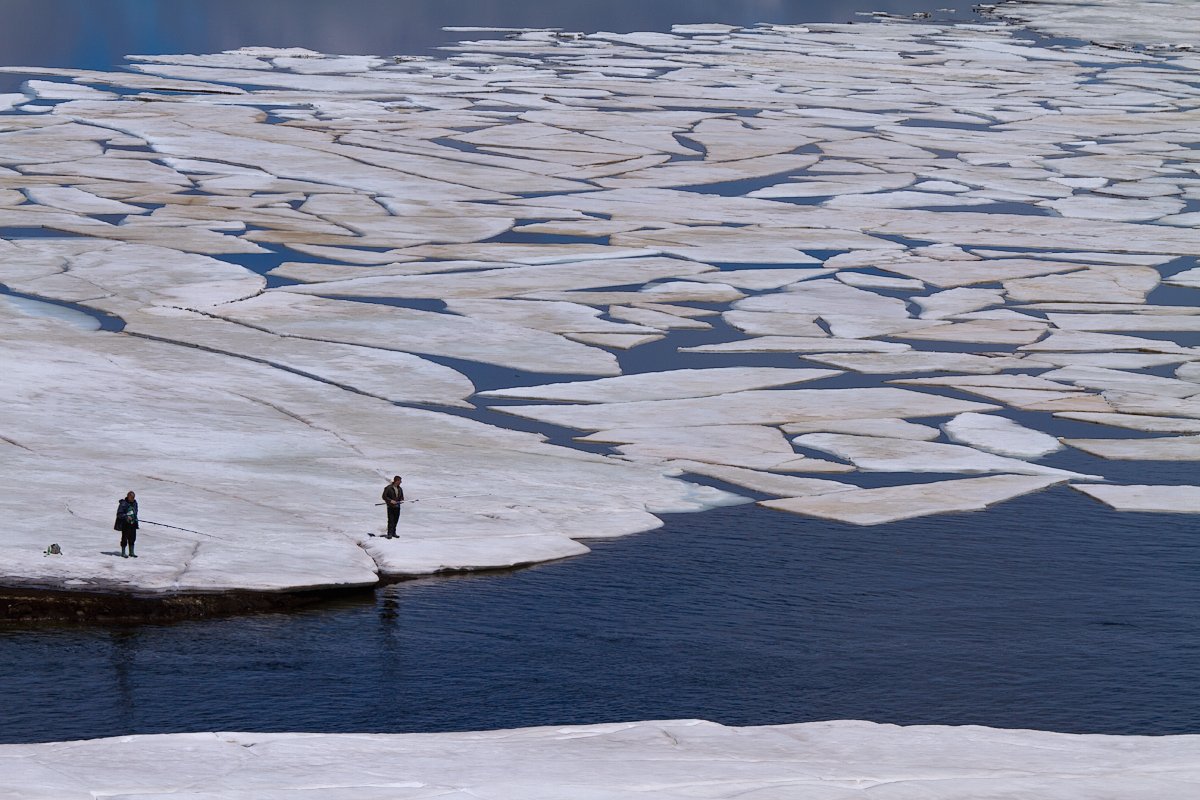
[(408, 330), (665, 385), (121, 278), (664, 760), (875, 454), (892, 503), (201, 432), (388, 374)]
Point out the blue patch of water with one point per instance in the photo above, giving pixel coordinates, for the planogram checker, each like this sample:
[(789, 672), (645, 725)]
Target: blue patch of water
[(1050, 612)]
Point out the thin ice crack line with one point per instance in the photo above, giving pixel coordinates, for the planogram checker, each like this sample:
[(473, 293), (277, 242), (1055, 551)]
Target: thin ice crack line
[(303, 421), (257, 360), (186, 565)]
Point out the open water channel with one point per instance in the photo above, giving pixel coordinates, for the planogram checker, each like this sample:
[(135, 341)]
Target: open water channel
[(1048, 612)]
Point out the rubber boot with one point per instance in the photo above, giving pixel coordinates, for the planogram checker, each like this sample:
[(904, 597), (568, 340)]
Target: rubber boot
[(123, 553), (131, 553)]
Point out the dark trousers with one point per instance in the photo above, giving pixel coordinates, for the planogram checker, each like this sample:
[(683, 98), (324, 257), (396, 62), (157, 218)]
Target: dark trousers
[(128, 536), (393, 518)]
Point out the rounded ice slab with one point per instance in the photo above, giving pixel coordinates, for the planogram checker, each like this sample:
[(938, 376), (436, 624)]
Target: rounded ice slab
[(672, 760)]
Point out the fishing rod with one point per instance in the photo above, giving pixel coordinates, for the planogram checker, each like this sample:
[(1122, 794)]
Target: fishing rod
[(176, 527), (443, 497)]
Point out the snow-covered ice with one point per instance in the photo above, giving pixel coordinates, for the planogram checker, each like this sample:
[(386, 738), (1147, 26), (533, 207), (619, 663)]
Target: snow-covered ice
[(665, 760)]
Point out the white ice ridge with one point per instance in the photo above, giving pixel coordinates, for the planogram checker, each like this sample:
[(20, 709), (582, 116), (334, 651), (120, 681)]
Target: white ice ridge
[(670, 760), (570, 223)]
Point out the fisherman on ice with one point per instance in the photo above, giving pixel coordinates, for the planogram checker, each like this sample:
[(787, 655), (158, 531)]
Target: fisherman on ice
[(127, 523), (393, 496)]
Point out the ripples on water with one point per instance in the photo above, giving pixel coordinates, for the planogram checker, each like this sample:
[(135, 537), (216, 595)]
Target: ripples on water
[(1048, 612)]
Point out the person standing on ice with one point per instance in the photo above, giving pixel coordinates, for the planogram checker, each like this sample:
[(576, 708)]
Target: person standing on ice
[(393, 496), (127, 523)]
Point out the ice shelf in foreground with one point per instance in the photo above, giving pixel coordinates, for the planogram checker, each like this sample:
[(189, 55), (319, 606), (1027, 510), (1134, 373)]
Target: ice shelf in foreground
[(669, 760)]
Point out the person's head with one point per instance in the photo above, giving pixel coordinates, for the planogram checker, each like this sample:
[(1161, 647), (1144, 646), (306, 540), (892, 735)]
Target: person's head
[(397, 479), (130, 496)]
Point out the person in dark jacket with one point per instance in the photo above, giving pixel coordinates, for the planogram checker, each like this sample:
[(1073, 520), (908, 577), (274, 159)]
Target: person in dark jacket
[(393, 496), (127, 523)]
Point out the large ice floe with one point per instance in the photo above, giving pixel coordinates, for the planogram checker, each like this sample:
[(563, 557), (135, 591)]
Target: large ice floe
[(671, 760), (567, 284)]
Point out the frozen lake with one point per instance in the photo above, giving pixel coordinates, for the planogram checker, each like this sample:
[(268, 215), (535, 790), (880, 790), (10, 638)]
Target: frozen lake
[(1051, 611)]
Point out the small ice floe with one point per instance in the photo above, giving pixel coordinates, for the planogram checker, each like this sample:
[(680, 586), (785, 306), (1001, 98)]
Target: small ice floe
[(1150, 404), (894, 503), (1165, 323), (1143, 498), (1136, 422), (1166, 448), (844, 186), (545, 315), (878, 454), (982, 331), (1117, 209), (747, 446), (764, 482), (1188, 277), (923, 199), (952, 302), (1000, 436), (774, 323), (1102, 284), (827, 296), (1106, 360), (656, 319), (53, 90), (1105, 379), (761, 279), (863, 280), (1087, 341), (69, 198)]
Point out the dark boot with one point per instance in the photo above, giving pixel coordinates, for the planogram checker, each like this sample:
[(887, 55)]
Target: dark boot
[(123, 552)]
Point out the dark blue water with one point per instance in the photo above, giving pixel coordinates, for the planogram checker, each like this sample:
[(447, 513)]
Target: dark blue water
[(96, 34), (1047, 612)]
